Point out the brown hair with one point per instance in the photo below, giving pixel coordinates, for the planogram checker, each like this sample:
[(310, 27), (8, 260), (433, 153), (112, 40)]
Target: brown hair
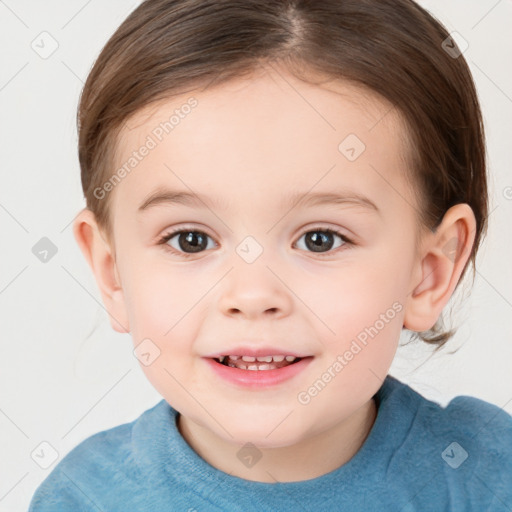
[(392, 47)]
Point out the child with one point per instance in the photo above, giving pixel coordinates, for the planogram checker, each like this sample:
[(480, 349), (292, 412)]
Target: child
[(221, 143)]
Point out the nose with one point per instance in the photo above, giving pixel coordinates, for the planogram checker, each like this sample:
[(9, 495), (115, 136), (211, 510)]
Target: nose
[(253, 290)]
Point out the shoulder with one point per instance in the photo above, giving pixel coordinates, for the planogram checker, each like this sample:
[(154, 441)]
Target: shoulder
[(486, 430), (100, 463), (464, 447), (465, 417), (489, 419), (476, 422), (470, 444)]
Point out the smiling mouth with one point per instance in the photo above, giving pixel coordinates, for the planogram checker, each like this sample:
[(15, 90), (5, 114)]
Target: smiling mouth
[(263, 363)]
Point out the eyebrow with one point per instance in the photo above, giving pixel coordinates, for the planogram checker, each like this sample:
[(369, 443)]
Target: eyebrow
[(163, 196)]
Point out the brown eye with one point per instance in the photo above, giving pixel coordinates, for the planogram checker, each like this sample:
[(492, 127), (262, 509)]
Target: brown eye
[(323, 240), (187, 241)]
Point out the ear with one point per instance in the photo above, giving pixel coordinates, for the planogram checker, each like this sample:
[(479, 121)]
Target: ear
[(442, 259), (99, 256)]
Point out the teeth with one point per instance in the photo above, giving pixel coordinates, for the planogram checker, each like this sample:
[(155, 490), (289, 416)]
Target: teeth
[(230, 361), (255, 367), (262, 359), (266, 359)]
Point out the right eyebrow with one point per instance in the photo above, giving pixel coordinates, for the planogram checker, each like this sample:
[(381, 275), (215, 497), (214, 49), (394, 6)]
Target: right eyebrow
[(166, 196)]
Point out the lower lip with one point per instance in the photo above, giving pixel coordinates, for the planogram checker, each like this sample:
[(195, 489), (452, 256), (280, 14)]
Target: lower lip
[(258, 378)]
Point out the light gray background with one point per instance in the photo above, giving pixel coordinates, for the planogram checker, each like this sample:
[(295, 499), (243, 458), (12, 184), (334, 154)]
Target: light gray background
[(64, 373)]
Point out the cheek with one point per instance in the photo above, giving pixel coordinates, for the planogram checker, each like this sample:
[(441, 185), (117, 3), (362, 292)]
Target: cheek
[(153, 307), (165, 307), (364, 303), (158, 300), (161, 309)]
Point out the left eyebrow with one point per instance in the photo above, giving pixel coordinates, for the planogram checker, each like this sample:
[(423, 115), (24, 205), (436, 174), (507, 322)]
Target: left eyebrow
[(297, 200), (348, 197)]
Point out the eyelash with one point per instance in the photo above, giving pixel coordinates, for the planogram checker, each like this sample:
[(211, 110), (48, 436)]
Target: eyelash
[(168, 236)]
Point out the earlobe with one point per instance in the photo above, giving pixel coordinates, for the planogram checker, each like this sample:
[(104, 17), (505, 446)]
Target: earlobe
[(98, 255), (441, 262)]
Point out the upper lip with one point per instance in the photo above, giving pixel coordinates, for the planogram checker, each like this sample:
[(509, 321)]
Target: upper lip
[(256, 352)]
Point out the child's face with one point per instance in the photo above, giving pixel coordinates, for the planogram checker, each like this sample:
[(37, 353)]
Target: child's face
[(246, 149)]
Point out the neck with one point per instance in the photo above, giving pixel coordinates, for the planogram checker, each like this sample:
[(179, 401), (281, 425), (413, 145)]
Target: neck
[(312, 457)]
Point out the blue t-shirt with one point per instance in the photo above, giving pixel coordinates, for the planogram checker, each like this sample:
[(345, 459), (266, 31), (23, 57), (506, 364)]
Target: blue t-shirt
[(418, 456)]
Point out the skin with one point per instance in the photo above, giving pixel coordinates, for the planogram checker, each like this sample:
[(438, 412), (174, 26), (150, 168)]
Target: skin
[(250, 143)]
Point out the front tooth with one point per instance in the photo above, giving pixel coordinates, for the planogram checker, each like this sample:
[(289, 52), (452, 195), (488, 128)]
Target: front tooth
[(290, 358), (248, 359), (265, 359), (278, 359), (252, 367), (234, 358)]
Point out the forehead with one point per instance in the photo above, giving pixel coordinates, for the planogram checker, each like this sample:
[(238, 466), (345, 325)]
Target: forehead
[(268, 129)]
